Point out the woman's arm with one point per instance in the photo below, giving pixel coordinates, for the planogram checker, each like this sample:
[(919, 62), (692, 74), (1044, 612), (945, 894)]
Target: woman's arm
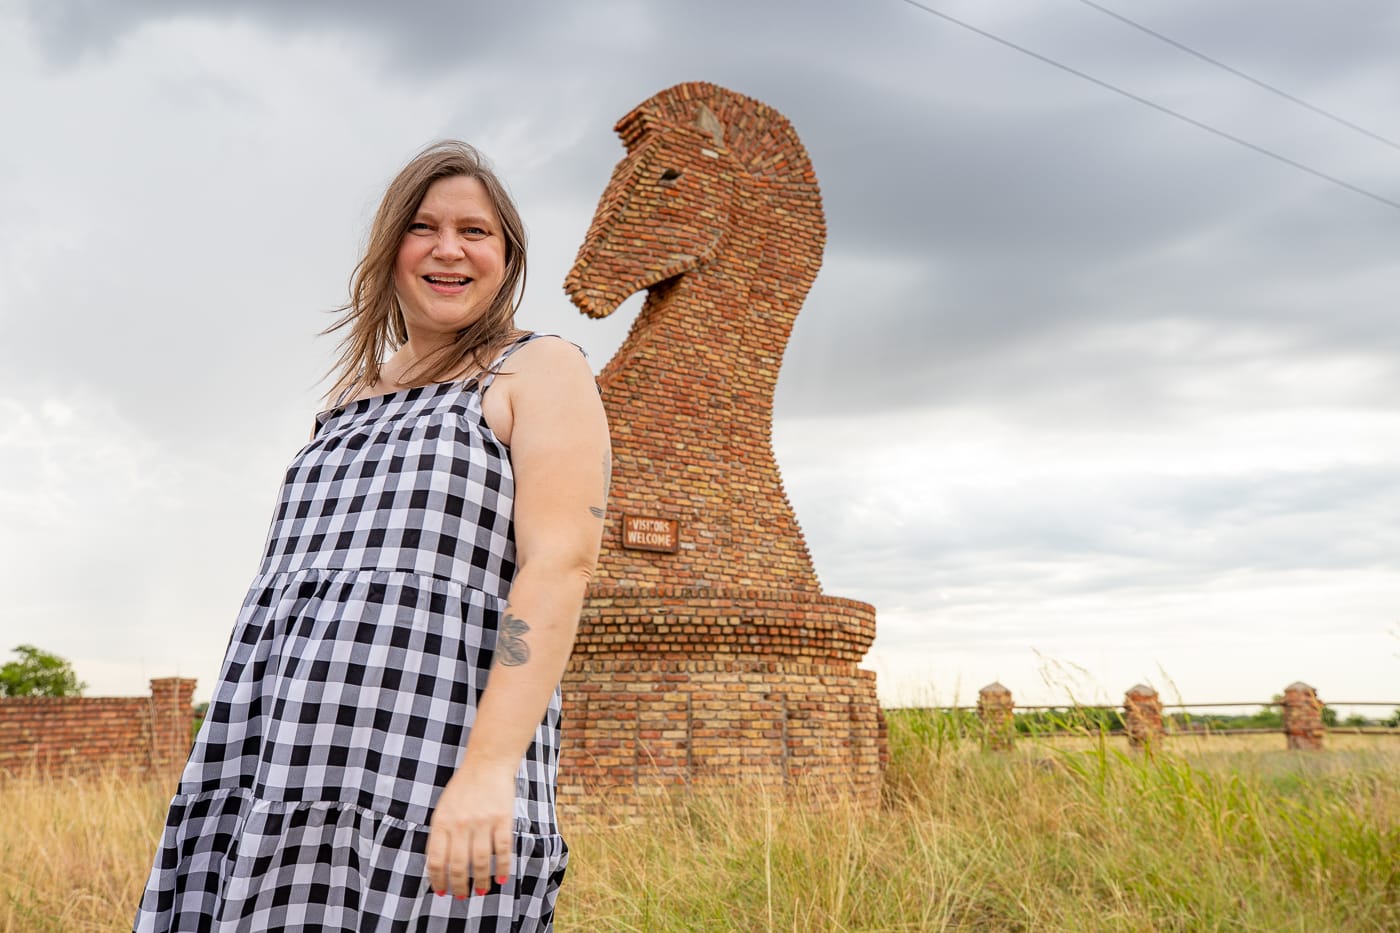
[(560, 457)]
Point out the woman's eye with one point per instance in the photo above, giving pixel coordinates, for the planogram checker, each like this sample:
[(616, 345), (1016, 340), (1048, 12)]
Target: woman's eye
[(473, 232), (419, 227)]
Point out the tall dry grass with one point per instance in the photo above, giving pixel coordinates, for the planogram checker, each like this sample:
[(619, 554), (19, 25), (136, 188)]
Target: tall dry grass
[(75, 852), (1077, 834)]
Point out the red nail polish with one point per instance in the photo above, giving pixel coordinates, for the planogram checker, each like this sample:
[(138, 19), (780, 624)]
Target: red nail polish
[(480, 890), (500, 879), (441, 893), (461, 897)]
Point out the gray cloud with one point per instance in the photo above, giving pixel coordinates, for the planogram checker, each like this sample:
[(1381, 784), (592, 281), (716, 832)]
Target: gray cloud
[(1056, 266), (1169, 530), (423, 36)]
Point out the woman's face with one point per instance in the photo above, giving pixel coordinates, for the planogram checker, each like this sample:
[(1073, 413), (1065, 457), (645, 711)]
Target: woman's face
[(452, 259)]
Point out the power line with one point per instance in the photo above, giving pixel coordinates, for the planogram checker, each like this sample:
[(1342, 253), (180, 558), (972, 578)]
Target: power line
[(1250, 78), (1158, 107)]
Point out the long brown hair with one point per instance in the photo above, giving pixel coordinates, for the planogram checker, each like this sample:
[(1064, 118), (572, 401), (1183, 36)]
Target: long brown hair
[(373, 315)]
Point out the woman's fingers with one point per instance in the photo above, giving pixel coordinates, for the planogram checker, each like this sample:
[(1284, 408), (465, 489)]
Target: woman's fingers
[(504, 844), (484, 850), (465, 862), (458, 864), (438, 848)]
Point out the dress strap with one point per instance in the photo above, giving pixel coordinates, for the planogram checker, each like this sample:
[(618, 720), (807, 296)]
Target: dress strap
[(322, 417), (340, 398), (484, 380)]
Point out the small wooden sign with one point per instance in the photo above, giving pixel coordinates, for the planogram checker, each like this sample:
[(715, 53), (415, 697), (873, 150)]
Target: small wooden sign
[(641, 533)]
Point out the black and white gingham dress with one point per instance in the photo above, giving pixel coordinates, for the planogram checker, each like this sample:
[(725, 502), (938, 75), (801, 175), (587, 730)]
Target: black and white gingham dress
[(349, 689)]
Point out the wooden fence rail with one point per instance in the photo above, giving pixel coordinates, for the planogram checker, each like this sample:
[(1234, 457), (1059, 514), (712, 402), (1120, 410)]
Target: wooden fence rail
[(1145, 726)]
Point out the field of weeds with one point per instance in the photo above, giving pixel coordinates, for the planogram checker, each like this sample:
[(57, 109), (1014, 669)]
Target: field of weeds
[(1060, 834)]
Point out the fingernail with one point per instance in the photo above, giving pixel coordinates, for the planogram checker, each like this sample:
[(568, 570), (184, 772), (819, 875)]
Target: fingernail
[(500, 879), (480, 890), (461, 897), (441, 893)]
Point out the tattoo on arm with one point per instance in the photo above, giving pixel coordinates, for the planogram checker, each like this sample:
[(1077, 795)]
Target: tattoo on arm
[(607, 485), (511, 650)]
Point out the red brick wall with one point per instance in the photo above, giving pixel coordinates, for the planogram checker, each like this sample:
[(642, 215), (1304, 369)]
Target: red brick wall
[(68, 734), (715, 210)]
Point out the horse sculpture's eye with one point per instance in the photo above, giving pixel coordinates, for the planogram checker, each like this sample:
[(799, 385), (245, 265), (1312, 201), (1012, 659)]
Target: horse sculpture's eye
[(670, 174)]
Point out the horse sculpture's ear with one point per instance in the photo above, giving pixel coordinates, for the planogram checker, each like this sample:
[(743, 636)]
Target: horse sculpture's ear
[(635, 125), (706, 121)]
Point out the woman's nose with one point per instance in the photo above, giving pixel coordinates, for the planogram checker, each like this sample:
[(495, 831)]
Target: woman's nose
[(448, 245)]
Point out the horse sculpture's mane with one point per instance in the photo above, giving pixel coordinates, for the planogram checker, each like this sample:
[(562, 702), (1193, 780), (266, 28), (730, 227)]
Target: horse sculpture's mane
[(758, 138)]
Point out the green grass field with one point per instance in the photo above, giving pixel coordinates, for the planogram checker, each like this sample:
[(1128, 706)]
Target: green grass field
[(1061, 834)]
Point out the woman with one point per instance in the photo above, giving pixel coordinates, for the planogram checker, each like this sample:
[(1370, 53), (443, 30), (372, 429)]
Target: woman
[(380, 751)]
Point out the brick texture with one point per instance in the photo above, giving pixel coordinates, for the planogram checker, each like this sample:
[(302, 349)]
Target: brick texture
[(720, 660), (1302, 717), (997, 710), (1142, 717), (81, 734)]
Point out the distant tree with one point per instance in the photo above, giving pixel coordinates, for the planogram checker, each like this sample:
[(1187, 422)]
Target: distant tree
[(1268, 717), (1084, 720), (38, 673)]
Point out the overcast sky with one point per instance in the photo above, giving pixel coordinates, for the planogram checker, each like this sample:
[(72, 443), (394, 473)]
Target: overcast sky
[(1084, 396)]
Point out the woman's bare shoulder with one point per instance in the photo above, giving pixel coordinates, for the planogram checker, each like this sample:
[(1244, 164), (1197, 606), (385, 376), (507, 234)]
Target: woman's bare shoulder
[(547, 375), (546, 362)]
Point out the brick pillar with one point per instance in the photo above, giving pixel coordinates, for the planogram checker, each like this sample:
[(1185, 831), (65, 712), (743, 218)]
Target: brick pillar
[(1302, 717), (995, 707), (1142, 717), (172, 717)]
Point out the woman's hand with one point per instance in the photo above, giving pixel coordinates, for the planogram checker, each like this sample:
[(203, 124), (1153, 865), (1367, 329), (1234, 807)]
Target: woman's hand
[(471, 839)]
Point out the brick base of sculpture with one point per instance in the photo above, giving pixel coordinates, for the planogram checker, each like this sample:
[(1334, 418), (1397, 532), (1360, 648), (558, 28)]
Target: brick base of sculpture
[(707, 653)]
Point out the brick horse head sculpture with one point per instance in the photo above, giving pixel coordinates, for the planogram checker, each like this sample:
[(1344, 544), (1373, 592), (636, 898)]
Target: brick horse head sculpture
[(715, 655)]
